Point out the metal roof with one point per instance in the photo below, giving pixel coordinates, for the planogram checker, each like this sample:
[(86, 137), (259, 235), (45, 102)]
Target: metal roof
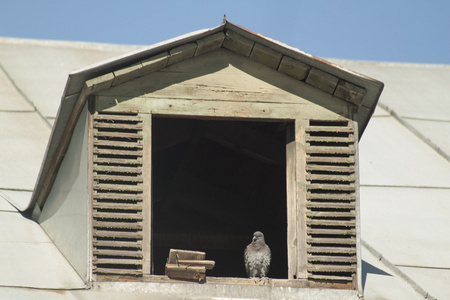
[(404, 170)]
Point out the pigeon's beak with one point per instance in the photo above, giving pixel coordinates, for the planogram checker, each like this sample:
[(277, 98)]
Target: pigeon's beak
[(254, 239)]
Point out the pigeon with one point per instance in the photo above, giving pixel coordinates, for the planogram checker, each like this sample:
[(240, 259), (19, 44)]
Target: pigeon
[(257, 257)]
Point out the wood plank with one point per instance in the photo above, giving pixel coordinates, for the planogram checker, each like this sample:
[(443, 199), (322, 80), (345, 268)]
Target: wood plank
[(330, 277), (117, 187), (331, 259), (330, 177), (329, 139), (331, 214), (91, 157), (208, 264), (112, 271), (118, 261), (214, 108), (117, 169), (331, 268), (118, 196), (177, 254), (113, 252), (195, 273), (331, 250), (117, 234), (343, 241), (131, 179), (351, 232), (330, 169), (350, 150), (137, 126), (124, 206), (331, 197), (134, 216), (118, 144), (147, 194), (117, 244), (291, 194), (329, 129), (120, 116), (331, 187), (114, 134), (331, 160), (300, 214), (118, 161), (335, 205), (331, 223), (102, 151), (124, 225)]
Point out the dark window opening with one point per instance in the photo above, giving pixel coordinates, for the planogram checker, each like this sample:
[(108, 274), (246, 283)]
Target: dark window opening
[(215, 182)]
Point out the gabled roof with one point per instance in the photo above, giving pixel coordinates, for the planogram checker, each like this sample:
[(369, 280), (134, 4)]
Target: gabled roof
[(359, 90)]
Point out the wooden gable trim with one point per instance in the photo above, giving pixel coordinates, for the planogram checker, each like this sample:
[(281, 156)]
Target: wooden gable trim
[(239, 44)]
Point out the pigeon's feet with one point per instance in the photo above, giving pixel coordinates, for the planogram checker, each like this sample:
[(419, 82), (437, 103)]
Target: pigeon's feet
[(265, 280)]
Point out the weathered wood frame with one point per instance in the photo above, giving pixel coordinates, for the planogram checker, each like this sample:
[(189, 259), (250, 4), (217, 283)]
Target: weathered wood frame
[(295, 157)]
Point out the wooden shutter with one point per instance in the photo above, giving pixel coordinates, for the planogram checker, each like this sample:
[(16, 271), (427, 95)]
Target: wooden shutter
[(117, 194), (330, 205)]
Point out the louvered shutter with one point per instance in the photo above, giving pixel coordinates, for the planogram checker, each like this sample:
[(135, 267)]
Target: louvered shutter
[(117, 194), (330, 201)]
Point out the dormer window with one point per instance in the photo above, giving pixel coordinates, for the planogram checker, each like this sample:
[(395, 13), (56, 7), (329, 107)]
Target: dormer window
[(197, 143)]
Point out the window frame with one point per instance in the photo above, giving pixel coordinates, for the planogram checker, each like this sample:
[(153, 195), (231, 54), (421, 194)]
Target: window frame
[(295, 181)]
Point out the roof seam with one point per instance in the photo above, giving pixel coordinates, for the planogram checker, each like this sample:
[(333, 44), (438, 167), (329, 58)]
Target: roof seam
[(68, 44), (394, 269), (15, 189), (392, 63), (7, 199), (423, 267), (425, 119), (17, 111), (415, 131), (25, 97), (407, 186)]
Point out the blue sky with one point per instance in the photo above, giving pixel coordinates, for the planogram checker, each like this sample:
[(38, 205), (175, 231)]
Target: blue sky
[(382, 30)]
